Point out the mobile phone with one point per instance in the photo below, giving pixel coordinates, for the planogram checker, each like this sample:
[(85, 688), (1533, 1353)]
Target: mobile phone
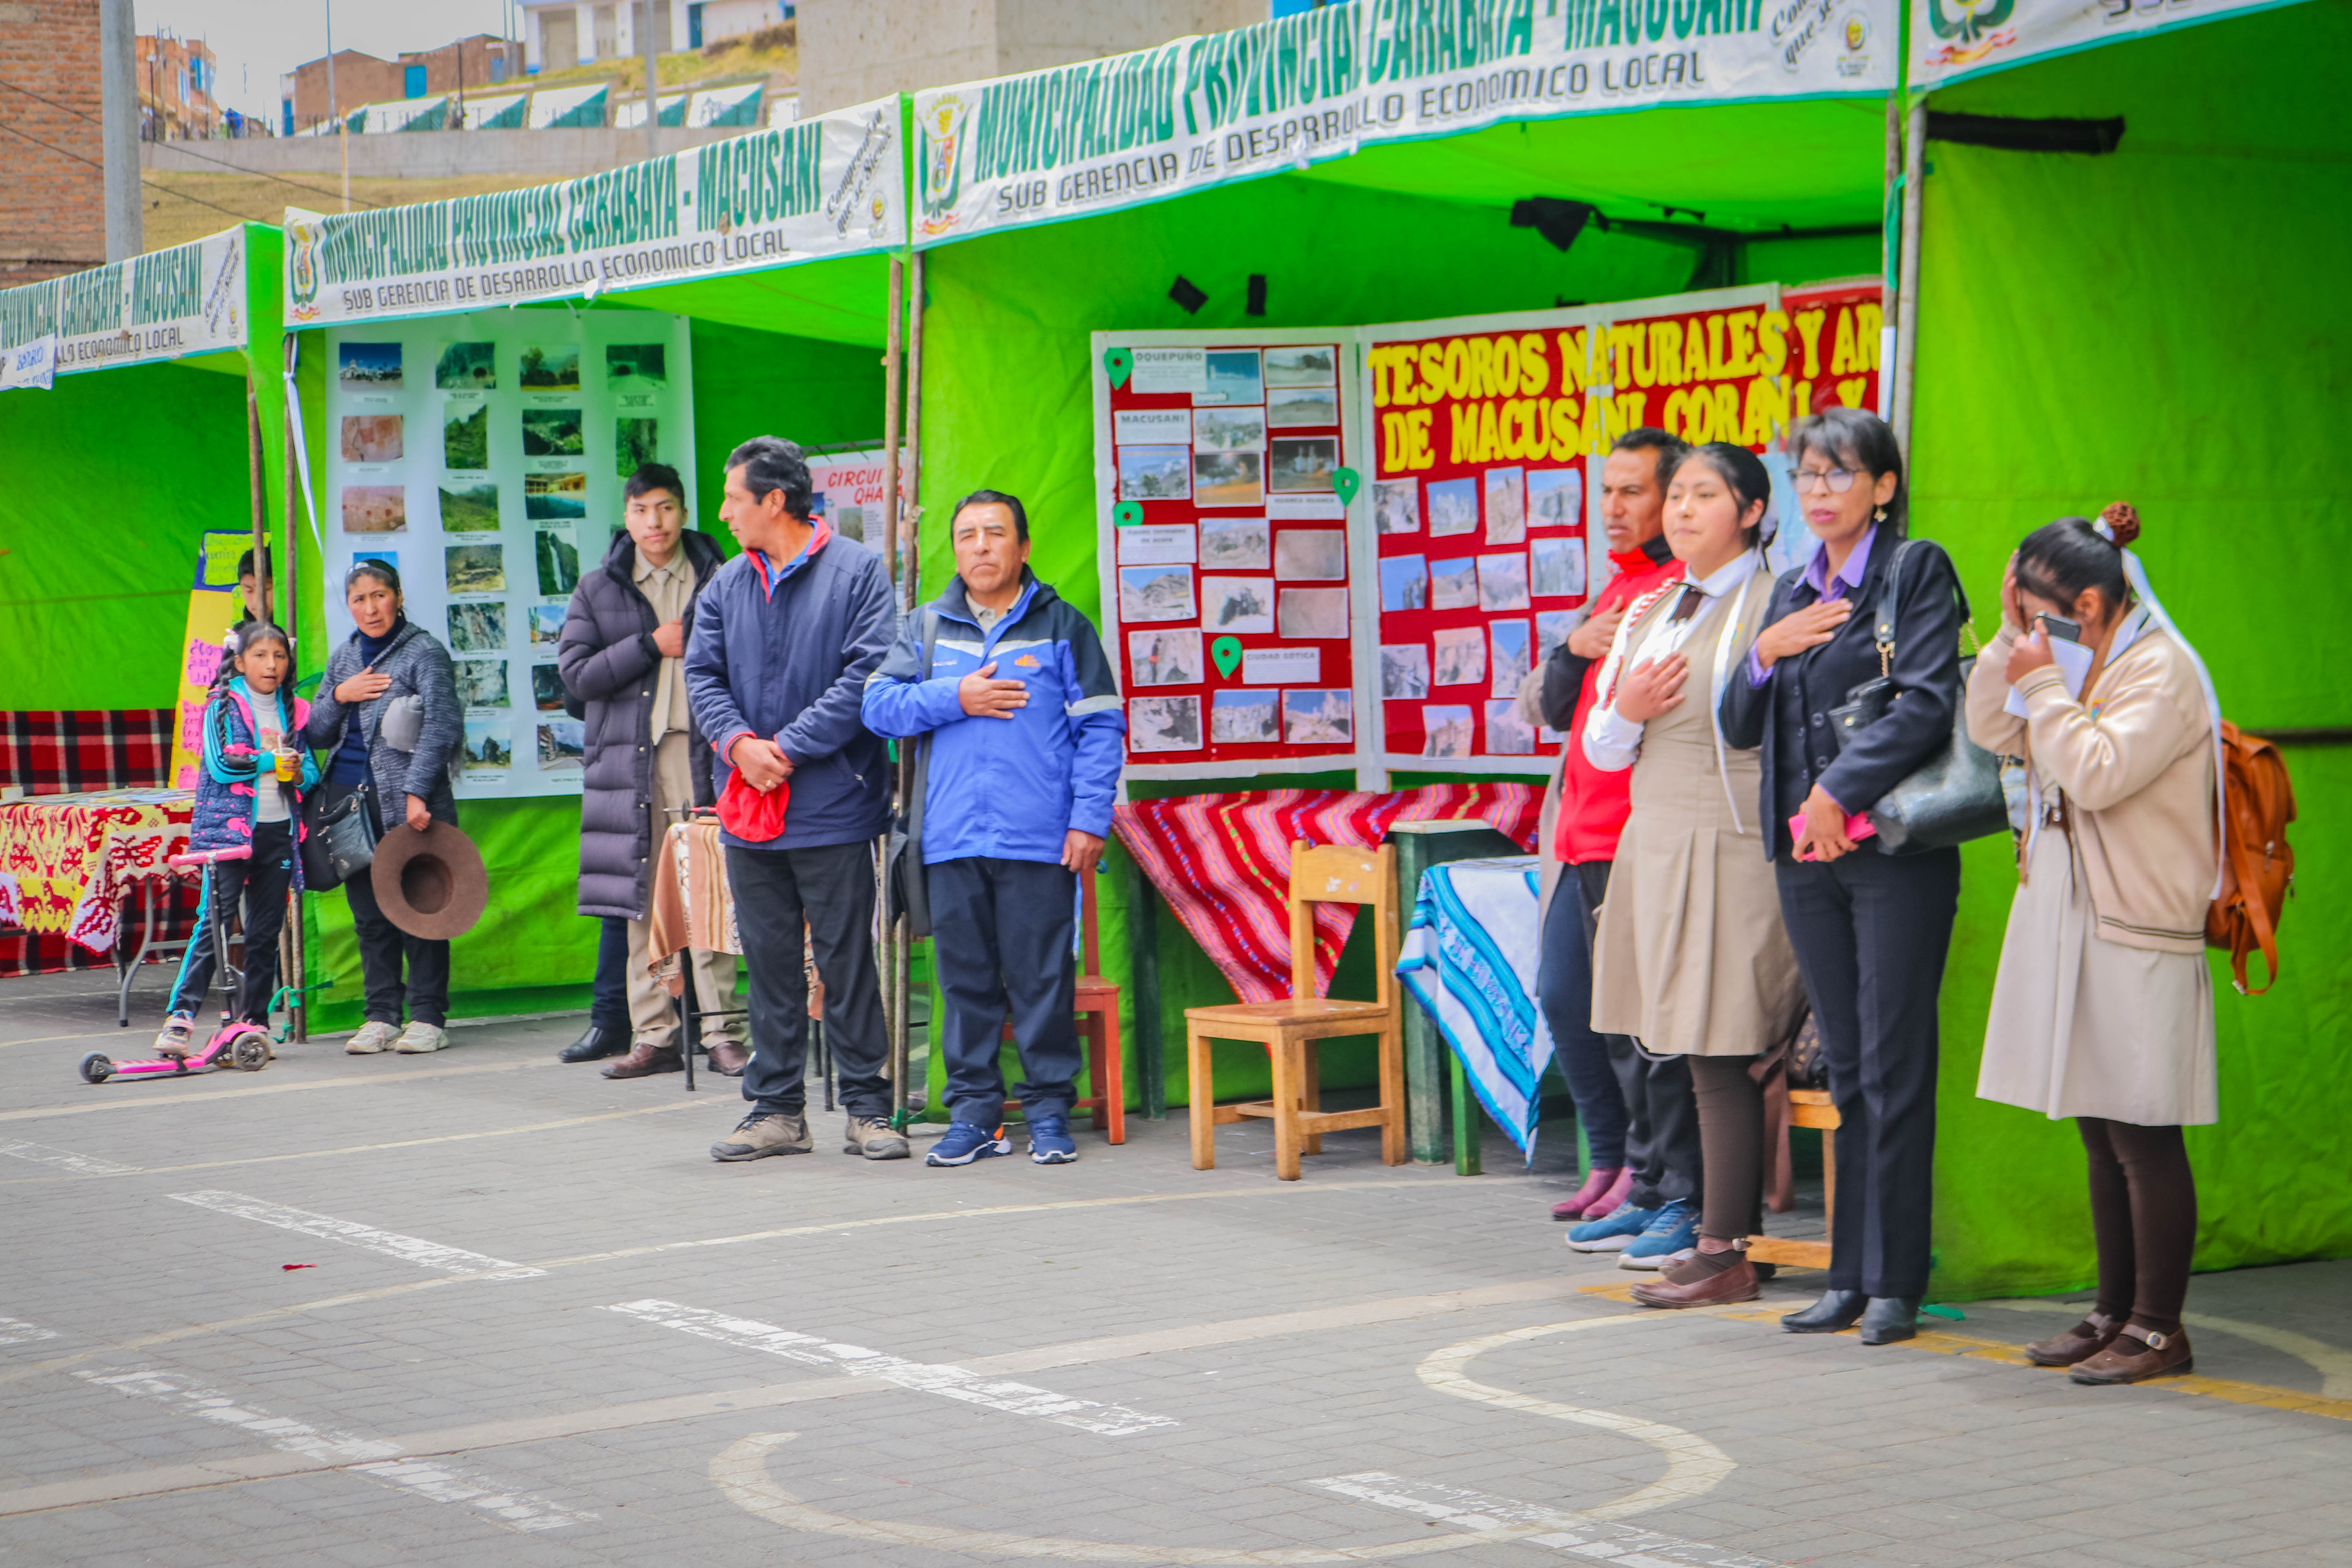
[(2058, 627)]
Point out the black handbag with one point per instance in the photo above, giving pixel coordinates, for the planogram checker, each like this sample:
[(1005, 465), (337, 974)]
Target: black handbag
[(339, 837), (905, 889), (1956, 795)]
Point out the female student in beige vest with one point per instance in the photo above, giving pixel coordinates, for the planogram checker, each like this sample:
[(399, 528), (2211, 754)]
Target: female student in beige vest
[(1691, 958), (2103, 1009)]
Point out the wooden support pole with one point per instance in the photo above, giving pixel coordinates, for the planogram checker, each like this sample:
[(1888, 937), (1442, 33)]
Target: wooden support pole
[(894, 935), (1906, 318), (1143, 976), (260, 495), (299, 1019)]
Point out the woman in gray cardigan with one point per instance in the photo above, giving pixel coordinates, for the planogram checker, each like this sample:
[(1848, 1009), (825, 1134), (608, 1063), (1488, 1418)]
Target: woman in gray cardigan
[(386, 663)]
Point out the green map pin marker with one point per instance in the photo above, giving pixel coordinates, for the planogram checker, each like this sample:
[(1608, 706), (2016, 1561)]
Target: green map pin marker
[(1127, 514), (1347, 481), (1118, 362), (1227, 652)]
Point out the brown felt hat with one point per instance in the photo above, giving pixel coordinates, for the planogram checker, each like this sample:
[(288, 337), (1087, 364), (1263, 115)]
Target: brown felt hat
[(430, 884)]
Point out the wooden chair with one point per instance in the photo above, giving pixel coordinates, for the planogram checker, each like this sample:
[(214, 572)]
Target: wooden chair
[(1807, 1108), (1291, 1031), (1098, 1008)]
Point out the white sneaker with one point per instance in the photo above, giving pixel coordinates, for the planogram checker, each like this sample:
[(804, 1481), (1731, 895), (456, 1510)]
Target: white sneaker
[(420, 1037), (373, 1037)]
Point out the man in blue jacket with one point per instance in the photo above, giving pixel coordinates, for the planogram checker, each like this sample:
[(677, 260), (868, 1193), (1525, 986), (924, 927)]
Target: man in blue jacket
[(785, 637), (1024, 720)]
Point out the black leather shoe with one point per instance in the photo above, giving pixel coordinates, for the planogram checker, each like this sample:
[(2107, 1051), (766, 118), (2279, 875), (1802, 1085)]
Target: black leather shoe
[(1836, 1310), (1890, 1317), (595, 1044)]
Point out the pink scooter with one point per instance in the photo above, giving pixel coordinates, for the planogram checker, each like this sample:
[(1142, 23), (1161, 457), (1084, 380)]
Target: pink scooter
[(236, 1043)]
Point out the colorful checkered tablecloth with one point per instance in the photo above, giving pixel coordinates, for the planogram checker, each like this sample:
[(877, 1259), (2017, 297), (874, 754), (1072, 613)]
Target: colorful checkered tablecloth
[(67, 861)]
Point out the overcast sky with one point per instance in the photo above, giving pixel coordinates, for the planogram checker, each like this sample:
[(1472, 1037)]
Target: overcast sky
[(257, 41)]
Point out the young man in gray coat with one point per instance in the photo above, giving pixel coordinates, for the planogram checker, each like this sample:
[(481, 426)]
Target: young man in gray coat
[(622, 655)]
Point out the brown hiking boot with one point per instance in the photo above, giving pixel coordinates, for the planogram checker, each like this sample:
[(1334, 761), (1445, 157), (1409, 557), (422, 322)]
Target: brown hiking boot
[(756, 1137), (644, 1059), (873, 1137), (2135, 1355)]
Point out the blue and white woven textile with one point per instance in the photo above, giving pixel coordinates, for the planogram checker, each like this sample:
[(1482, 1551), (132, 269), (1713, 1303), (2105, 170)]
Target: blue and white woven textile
[(1470, 960)]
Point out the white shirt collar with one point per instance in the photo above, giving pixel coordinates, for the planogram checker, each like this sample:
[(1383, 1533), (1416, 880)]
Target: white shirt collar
[(1727, 578)]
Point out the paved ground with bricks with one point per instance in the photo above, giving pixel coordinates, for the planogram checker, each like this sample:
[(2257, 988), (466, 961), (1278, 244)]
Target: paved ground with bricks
[(541, 1326)]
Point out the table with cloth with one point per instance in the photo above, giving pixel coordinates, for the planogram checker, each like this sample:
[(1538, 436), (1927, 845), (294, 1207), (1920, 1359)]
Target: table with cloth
[(74, 865)]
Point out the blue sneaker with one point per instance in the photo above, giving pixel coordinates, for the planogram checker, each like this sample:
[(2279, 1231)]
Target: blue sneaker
[(1050, 1142), (1670, 1230), (1612, 1233), (965, 1141)]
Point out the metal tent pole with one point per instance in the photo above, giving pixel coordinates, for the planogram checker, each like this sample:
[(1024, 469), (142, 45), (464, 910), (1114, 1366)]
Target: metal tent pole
[(299, 1009), (894, 932), (651, 51), (911, 582), (1906, 305)]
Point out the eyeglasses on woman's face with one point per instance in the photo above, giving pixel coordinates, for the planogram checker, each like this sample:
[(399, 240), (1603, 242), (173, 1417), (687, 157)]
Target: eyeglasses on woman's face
[(1837, 480)]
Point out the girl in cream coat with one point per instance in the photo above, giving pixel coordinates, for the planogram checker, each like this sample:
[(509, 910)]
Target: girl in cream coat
[(2103, 1009)]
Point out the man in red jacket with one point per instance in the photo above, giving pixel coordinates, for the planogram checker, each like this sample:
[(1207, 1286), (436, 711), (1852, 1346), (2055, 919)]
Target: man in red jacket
[(1641, 1123)]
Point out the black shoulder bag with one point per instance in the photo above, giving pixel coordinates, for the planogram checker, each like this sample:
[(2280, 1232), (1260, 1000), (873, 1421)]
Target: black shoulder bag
[(339, 837), (906, 889), (1956, 795)]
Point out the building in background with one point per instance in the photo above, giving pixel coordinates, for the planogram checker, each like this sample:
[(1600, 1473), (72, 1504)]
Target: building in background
[(177, 77), (54, 219), (470, 65)]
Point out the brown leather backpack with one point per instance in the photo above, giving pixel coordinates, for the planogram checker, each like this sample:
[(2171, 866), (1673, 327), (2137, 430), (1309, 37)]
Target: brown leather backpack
[(2257, 866)]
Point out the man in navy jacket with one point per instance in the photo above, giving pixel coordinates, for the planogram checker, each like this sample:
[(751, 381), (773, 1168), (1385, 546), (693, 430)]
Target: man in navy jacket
[(785, 637), (1025, 721)]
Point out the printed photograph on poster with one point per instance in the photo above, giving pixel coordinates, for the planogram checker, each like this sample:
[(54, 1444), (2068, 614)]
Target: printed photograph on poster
[(547, 693), (466, 367), (1155, 594), (1235, 543), (1507, 734), (1228, 429), (465, 436), (1155, 473), (370, 437), (1453, 506), (1313, 613), (1404, 671), (1173, 544), (555, 497), (635, 442), (1311, 554), (559, 563), (482, 628), (1460, 655), (475, 568), (1236, 604), (1159, 371), (1319, 718), (1310, 366), (489, 743), (368, 367), (1555, 497), (1445, 730), (481, 682), (1228, 478), (1281, 666), (1229, 376), (551, 433), (375, 508), (1396, 506), (546, 624), (469, 509), (368, 552), (1552, 628), (1163, 725), (1152, 427), (1302, 408), (1301, 465), (637, 367), (1405, 583), (1453, 584), (1506, 506), (1557, 567), (1503, 582), (1164, 659), (1508, 665), (1245, 718), (563, 743), (550, 367)]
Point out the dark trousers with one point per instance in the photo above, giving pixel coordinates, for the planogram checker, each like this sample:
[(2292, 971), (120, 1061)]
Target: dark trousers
[(1870, 932), (1000, 935), (827, 891), (1661, 1143), (608, 1005), (384, 947), (260, 884), (1564, 987), (2144, 1214)]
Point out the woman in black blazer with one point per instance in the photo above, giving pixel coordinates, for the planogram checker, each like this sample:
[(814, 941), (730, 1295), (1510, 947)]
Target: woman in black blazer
[(1870, 929)]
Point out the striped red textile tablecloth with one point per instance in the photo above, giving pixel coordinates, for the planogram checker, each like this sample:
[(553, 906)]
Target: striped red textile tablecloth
[(1223, 862)]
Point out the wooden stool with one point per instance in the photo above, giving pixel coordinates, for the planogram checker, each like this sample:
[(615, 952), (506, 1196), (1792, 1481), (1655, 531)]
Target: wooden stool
[(1291, 1031), (1807, 1108), (1097, 1006)]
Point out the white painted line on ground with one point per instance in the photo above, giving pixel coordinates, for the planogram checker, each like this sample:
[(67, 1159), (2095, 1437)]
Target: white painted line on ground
[(372, 1457), (16, 1331), (414, 1249), (1622, 1545), (81, 1165), (948, 1382)]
